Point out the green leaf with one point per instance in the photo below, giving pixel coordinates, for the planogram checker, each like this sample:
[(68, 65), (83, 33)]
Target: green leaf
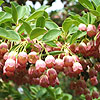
[(21, 29), (2, 13), (15, 3), (77, 35), (51, 25), (37, 32), (33, 89), (67, 97), (82, 97), (27, 27), (14, 13), (1, 2), (84, 20), (41, 92), (56, 52), (86, 4), (90, 18), (33, 26), (51, 44), (32, 9), (99, 98), (40, 37), (98, 8), (10, 34), (51, 92), (76, 19), (5, 18), (51, 35), (35, 14), (58, 91), (94, 12), (7, 9), (27, 12), (27, 93), (21, 10), (73, 29), (66, 25), (96, 2), (13, 35), (68, 38), (40, 22), (45, 15), (93, 18), (43, 7)]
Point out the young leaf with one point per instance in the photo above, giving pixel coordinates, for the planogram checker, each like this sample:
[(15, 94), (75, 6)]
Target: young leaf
[(86, 3), (35, 14), (51, 25), (14, 13), (40, 22), (27, 27), (51, 35), (37, 32)]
